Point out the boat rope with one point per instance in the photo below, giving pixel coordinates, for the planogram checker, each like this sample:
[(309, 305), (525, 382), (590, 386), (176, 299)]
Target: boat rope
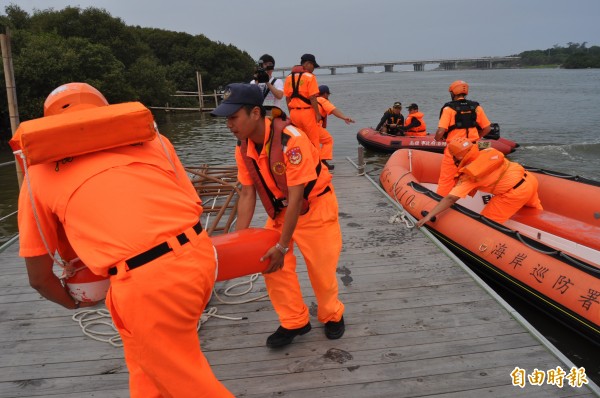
[(401, 215), (8, 215)]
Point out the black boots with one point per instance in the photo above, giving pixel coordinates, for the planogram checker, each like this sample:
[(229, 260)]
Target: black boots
[(283, 336), (335, 330)]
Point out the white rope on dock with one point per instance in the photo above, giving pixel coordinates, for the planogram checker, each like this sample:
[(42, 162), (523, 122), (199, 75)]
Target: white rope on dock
[(94, 323), (98, 324)]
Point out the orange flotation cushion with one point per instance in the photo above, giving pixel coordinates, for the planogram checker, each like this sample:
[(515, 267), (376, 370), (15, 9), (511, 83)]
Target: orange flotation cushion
[(53, 138), (239, 252)]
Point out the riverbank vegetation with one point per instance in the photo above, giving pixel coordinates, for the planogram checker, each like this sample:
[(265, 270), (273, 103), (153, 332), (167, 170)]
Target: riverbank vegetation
[(573, 56), (126, 63)]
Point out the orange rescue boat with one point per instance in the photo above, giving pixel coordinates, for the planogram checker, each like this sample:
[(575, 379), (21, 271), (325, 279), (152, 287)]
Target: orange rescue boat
[(552, 258), (382, 142)]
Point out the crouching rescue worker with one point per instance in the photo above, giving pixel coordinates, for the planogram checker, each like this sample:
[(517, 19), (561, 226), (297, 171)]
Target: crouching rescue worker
[(488, 171), (278, 162), (129, 212), (458, 118)]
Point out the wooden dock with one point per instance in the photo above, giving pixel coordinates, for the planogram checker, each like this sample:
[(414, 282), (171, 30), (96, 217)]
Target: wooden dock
[(417, 324)]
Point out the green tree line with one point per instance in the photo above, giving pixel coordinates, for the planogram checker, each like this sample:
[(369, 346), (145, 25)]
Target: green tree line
[(126, 63), (573, 56)]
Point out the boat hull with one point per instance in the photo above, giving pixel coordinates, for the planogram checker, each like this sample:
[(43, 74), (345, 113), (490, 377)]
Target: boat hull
[(374, 140), (567, 285)]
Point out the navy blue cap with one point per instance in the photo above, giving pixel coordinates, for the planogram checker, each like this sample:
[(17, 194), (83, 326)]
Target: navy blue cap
[(323, 89), (237, 95), (309, 57)]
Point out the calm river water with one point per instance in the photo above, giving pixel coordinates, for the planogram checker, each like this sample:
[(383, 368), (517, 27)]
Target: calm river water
[(554, 115)]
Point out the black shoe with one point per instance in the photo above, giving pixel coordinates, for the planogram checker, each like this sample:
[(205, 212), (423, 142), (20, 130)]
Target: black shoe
[(329, 166), (283, 336), (335, 330)]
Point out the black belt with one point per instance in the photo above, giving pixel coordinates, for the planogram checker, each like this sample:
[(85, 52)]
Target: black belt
[(156, 252), (306, 107), (518, 184)]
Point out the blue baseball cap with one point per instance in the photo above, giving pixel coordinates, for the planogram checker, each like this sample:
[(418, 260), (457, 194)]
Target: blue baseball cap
[(323, 89), (237, 95)]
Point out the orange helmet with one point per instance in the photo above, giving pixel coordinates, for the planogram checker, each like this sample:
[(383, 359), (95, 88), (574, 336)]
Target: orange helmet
[(459, 87), (459, 146), (73, 96)]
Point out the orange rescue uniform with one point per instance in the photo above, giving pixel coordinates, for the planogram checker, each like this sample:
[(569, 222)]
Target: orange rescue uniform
[(302, 114), (420, 130), (317, 233), (512, 187), (325, 139), (116, 204), (448, 169)]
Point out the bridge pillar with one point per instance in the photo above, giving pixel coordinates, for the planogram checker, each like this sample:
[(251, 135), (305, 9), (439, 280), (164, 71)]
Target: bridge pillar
[(360, 69), (449, 65), (333, 71), (418, 67), (388, 67)]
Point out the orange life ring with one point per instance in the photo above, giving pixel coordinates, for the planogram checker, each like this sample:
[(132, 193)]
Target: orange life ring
[(239, 252), (85, 286)]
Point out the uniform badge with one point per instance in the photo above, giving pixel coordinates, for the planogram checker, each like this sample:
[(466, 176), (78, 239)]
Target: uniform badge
[(294, 155), (279, 168)]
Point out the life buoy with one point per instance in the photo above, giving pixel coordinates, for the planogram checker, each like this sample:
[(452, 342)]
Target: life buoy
[(239, 252), (53, 138), (85, 286)]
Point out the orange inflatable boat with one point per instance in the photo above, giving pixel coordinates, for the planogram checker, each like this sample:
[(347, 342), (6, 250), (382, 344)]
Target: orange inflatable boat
[(551, 258), (381, 142)]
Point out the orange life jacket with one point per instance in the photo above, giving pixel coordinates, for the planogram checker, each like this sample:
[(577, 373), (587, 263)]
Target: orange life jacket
[(53, 138), (296, 72), (323, 114), (466, 115), (485, 163), (419, 129), (274, 146)]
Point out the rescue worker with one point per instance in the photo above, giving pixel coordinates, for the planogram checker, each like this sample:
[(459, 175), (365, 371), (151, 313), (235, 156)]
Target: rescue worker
[(414, 125), (278, 162), (488, 171), (458, 118), (301, 90), (129, 212), (327, 108), (392, 120), (271, 87)]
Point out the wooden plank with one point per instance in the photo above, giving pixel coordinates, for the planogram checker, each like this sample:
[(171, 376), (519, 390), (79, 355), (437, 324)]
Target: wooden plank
[(417, 325)]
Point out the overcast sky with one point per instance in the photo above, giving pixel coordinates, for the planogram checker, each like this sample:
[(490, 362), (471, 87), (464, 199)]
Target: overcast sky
[(353, 31)]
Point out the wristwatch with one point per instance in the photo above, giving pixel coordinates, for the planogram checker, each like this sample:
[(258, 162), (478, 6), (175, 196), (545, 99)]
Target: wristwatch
[(282, 249)]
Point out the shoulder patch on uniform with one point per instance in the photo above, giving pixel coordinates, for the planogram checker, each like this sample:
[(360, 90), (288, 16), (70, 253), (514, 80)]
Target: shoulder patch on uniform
[(294, 155), (293, 130)]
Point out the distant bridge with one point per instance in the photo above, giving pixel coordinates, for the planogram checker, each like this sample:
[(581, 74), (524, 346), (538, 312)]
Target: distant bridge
[(419, 66)]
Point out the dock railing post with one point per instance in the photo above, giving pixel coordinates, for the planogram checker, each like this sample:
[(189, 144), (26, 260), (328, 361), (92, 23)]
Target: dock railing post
[(361, 160), (11, 91)]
